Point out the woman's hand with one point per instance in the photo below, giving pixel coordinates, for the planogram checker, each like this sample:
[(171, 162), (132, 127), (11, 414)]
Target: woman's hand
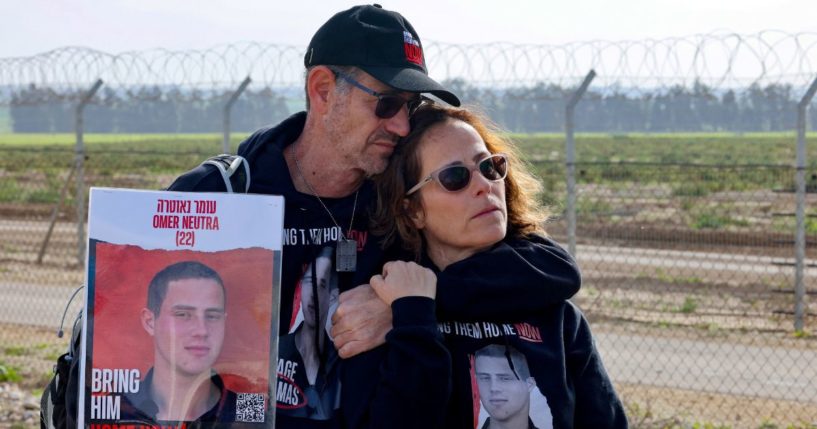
[(401, 279)]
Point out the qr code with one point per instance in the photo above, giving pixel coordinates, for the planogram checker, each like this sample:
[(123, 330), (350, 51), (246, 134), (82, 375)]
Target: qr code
[(249, 408)]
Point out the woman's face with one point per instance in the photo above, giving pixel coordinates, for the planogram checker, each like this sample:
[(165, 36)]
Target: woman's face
[(458, 224)]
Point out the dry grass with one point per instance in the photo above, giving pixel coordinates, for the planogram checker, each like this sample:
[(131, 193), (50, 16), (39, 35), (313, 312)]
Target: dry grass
[(658, 407), (31, 352)]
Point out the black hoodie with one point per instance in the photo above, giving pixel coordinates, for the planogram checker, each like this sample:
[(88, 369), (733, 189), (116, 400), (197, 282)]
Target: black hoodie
[(308, 229), (559, 368)]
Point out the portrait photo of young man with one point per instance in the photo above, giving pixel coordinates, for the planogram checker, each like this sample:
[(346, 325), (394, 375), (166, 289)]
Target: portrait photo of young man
[(506, 389), (186, 318)]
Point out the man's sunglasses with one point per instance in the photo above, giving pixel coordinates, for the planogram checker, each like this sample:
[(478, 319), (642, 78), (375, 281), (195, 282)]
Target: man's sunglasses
[(455, 178), (387, 104)]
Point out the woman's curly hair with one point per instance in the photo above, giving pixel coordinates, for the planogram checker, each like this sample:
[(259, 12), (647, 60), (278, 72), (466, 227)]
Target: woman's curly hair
[(391, 218)]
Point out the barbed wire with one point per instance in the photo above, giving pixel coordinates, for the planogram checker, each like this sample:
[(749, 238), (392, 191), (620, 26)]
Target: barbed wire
[(719, 60)]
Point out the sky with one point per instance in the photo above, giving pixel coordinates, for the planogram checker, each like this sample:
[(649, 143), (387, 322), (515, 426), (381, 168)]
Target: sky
[(34, 26)]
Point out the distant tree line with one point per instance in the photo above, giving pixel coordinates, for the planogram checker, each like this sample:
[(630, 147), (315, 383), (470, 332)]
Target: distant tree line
[(148, 110), (539, 108)]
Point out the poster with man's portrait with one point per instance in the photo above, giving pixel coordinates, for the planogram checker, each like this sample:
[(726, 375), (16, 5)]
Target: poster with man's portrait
[(181, 309)]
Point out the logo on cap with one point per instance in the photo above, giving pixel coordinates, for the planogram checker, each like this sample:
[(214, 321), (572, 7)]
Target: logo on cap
[(414, 52)]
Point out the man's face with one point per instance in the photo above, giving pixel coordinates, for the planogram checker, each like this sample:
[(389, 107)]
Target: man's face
[(188, 332), (501, 393), (364, 142)]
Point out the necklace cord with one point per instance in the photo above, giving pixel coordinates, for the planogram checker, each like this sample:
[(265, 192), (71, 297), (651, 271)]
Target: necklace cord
[(312, 190)]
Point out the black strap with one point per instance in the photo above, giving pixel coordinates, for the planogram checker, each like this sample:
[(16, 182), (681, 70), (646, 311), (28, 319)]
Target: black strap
[(234, 169)]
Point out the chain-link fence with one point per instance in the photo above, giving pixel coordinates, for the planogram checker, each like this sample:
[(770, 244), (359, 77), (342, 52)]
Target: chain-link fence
[(688, 275), (683, 190)]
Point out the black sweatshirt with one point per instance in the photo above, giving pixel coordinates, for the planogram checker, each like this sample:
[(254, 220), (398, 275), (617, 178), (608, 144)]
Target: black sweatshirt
[(308, 230), (408, 383)]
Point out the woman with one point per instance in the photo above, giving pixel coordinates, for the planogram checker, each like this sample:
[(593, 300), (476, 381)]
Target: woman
[(454, 193)]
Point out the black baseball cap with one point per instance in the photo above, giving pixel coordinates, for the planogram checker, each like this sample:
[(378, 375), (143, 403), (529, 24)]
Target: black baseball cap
[(379, 42)]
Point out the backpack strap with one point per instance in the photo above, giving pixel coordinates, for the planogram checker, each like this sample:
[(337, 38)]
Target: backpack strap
[(59, 401), (234, 169)]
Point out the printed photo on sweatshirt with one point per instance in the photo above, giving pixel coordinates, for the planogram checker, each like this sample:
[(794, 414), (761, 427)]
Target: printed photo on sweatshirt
[(307, 362), (505, 394)]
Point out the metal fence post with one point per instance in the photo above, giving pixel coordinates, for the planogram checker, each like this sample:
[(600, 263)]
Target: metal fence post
[(80, 162), (54, 213), (227, 107), (571, 160), (800, 234)]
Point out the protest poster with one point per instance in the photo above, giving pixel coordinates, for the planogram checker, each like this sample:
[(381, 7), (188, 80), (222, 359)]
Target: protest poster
[(181, 310)]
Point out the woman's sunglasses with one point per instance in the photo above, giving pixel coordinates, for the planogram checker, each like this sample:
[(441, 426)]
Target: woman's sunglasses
[(387, 104), (455, 178)]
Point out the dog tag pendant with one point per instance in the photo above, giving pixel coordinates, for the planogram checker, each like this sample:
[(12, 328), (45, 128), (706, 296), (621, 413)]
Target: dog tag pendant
[(346, 256)]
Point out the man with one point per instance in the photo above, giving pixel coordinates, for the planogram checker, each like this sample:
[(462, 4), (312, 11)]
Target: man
[(185, 315), (504, 390), (365, 71)]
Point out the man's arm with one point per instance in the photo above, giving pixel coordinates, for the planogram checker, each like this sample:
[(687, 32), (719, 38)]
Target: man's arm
[(514, 280), (535, 273)]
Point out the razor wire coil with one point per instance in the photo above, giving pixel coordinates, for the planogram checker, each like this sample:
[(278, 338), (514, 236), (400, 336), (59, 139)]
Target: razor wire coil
[(719, 60)]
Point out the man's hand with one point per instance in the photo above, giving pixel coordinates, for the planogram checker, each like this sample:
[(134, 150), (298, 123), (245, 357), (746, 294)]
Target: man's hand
[(361, 321)]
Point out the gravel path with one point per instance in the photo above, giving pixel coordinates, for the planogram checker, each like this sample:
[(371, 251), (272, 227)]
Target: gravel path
[(17, 407)]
